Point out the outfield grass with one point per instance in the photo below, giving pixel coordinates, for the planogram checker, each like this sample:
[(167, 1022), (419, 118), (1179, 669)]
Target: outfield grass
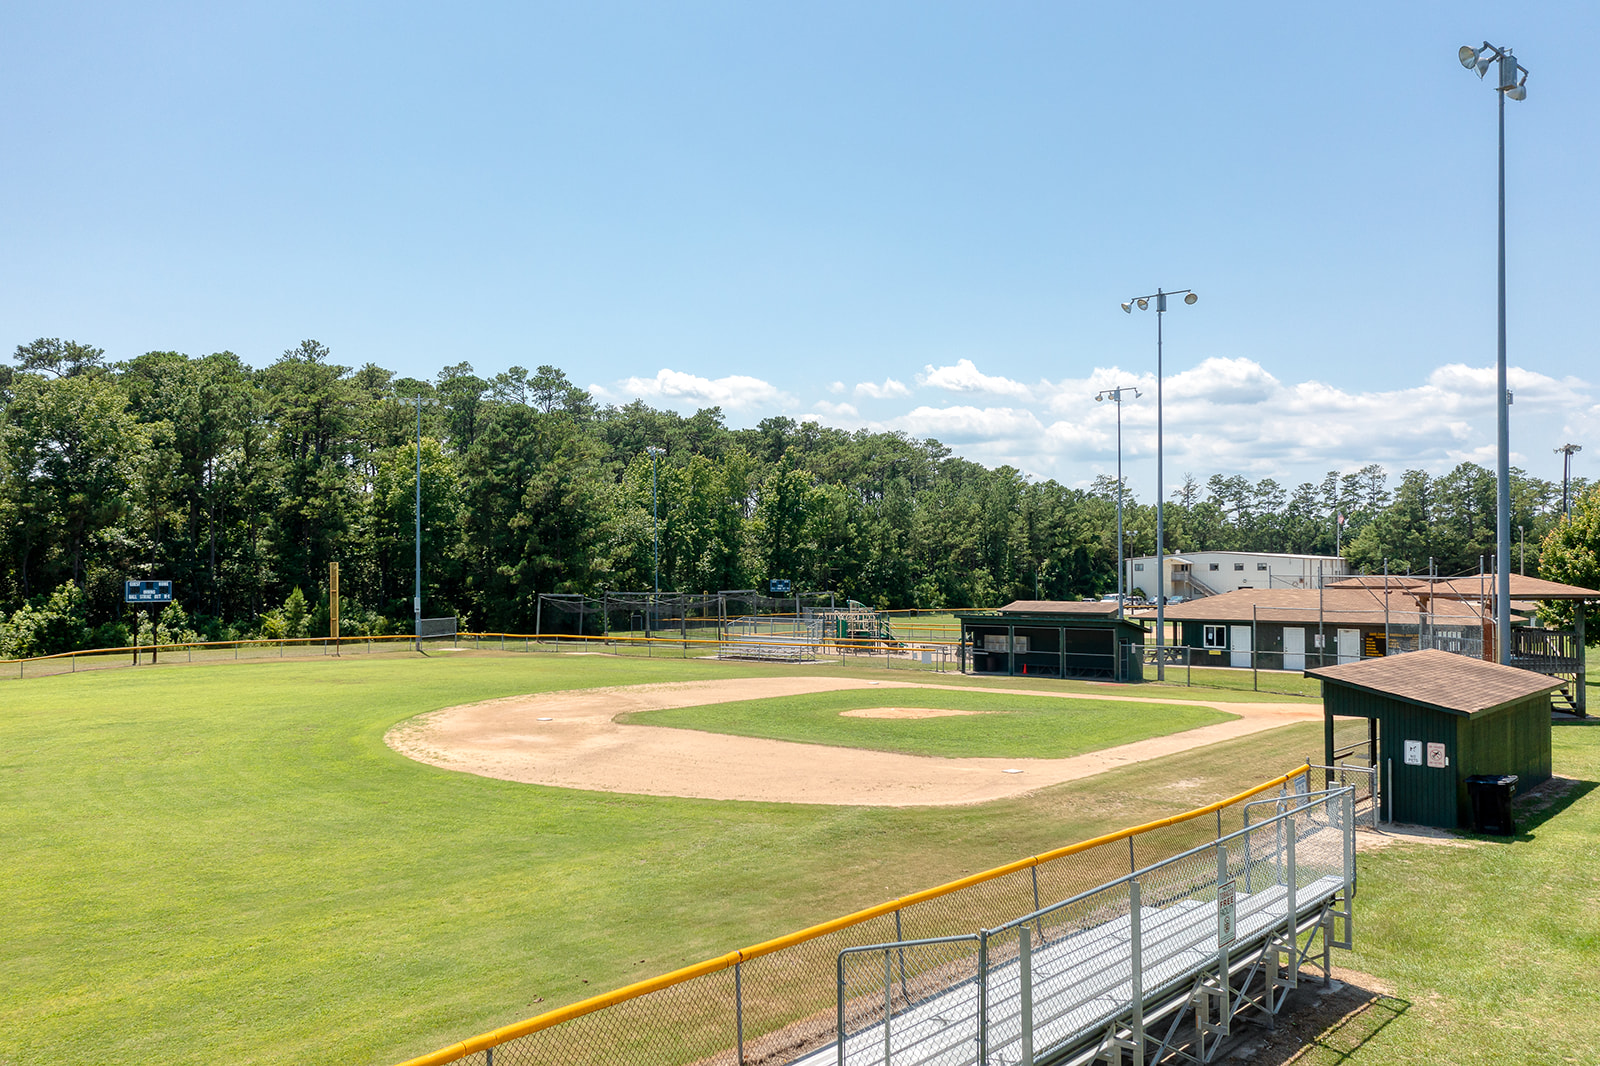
[(1042, 727), (223, 863)]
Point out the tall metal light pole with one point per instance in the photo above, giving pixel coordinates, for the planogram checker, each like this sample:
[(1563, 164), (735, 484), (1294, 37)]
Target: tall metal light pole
[(655, 517), (1479, 60), (416, 601), (1143, 303), (1565, 451), (1116, 397)]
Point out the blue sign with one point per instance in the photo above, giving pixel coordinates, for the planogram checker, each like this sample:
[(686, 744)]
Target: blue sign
[(777, 585), (147, 592)]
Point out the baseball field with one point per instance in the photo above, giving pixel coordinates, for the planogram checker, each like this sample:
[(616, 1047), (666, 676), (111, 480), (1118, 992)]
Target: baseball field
[(360, 860)]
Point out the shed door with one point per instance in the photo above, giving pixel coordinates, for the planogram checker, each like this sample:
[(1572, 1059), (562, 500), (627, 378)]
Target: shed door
[(1349, 645), (1294, 648), (1239, 646)]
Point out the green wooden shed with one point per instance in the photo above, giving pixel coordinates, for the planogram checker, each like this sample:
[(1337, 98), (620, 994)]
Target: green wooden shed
[(1442, 718)]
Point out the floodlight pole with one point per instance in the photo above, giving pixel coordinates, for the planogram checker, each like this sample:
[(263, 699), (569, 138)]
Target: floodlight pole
[(1566, 451), (1116, 396), (1143, 302), (1502, 522), (1479, 59), (655, 529), (416, 600)]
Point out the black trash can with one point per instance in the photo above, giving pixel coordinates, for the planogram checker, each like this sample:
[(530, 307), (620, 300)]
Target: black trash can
[(1491, 802)]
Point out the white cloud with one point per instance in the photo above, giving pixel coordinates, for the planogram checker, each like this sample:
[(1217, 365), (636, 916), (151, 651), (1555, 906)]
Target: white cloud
[(736, 392), (965, 377), (837, 410), (970, 424), (836, 387), (888, 390)]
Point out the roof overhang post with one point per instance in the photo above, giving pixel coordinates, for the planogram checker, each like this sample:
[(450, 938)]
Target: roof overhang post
[(1327, 730), (1582, 704)]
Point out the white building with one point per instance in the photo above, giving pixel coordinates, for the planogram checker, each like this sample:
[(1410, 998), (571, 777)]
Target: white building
[(1196, 574)]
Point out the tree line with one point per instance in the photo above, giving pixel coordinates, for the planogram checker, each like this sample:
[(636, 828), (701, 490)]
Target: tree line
[(240, 485)]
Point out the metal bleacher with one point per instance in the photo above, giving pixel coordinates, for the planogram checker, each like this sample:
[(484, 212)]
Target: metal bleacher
[(1153, 965)]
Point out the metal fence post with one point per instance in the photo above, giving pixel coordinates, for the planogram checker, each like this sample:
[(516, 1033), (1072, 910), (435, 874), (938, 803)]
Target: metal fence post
[(888, 1006), (898, 935), (1294, 911), (1349, 805), (840, 1042), (738, 1009), (1136, 968), (983, 997), (1025, 972)]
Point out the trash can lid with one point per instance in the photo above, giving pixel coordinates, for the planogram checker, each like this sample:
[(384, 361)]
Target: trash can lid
[(1492, 779)]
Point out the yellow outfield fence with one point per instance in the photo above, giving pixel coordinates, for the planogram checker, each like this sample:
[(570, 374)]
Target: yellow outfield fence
[(773, 1002)]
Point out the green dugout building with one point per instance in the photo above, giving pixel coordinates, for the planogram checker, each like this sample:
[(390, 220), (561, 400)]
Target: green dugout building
[(1438, 719), (1052, 638)]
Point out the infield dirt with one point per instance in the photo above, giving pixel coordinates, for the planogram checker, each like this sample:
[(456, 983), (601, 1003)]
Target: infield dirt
[(571, 740)]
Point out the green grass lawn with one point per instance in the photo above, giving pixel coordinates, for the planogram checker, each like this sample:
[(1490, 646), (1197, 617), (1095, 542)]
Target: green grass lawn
[(224, 863), (1006, 725)]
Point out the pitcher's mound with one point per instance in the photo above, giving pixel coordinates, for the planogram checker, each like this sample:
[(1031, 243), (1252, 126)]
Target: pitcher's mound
[(903, 712)]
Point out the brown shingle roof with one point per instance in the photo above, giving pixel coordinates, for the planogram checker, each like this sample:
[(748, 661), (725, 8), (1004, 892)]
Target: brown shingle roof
[(1391, 582), (1454, 683), (1333, 605), (1522, 588), (1059, 607)]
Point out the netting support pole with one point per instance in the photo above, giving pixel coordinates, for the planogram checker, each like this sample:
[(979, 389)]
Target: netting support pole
[(738, 1009), (538, 616)]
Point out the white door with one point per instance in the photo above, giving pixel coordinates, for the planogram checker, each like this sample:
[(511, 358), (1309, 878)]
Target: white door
[(1349, 645), (1294, 648), (1239, 645)]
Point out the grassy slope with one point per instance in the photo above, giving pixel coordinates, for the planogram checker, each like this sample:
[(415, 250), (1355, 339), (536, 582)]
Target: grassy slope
[(1493, 948), (224, 863), (1009, 726)]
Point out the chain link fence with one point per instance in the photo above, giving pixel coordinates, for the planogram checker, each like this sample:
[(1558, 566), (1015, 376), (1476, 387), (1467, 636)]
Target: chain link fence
[(779, 1001), (1099, 972)]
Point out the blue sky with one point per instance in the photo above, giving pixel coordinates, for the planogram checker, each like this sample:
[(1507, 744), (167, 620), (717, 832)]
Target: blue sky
[(916, 216)]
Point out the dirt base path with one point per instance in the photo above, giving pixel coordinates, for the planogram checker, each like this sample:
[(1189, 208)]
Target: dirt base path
[(570, 740)]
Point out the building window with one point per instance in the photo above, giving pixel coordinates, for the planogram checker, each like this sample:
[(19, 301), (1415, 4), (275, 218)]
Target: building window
[(1261, 566), (1238, 566), (1216, 636), (1138, 566), (1213, 566)]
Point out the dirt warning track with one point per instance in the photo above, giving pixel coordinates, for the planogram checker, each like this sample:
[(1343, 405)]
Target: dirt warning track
[(571, 740)]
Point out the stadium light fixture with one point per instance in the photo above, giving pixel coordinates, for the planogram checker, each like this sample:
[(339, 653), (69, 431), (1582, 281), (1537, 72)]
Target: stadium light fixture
[(1508, 84), (1143, 303)]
